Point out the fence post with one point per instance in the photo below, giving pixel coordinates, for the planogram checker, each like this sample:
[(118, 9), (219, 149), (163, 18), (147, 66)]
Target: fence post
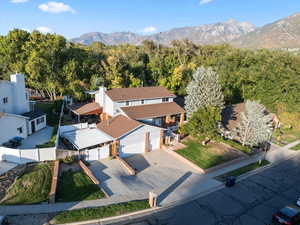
[(152, 199)]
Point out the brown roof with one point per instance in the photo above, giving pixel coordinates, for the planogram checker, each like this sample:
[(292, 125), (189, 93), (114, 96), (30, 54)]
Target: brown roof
[(86, 108), (125, 94), (118, 126), (152, 110)]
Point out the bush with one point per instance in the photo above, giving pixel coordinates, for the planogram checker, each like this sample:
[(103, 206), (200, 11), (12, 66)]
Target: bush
[(69, 159)]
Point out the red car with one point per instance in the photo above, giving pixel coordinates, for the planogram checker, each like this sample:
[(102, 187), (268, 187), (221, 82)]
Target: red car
[(289, 215)]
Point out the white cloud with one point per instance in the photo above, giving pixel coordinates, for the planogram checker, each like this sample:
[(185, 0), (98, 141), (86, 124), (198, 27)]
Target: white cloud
[(18, 1), (44, 30), (56, 7), (202, 2), (150, 29)]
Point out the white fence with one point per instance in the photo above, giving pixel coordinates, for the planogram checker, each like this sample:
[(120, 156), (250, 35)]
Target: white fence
[(22, 156), (97, 153)]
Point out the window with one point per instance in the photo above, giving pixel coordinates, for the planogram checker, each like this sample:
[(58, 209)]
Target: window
[(142, 102), (26, 96), (37, 121), (20, 129), (127, 103), (165, 100), (42, 120), (5, 100)]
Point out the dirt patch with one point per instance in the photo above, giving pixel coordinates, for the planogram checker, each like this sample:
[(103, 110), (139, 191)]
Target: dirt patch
[(228, 152), (7, 179)]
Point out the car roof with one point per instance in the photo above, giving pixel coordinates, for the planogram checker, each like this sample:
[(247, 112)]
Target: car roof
[(290, 210)]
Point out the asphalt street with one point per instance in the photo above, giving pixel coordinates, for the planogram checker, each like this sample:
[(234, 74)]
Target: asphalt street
[(251, 201)]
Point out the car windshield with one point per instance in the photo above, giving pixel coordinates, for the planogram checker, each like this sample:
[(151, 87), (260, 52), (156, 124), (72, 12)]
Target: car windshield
[(289, 211)]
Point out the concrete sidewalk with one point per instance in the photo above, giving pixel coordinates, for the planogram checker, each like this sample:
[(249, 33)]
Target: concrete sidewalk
[(188, 186)]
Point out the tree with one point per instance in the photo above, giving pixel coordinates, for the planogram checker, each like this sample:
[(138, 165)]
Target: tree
[(203, 91), (204, 122), (255, 127)]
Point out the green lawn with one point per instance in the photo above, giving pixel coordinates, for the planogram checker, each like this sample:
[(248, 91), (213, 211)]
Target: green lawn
[(48, 108), (243, 170), (76, 186), (296, 147), (285, 136), (99, 213), (247, 150), (32, 187), (203, 156)]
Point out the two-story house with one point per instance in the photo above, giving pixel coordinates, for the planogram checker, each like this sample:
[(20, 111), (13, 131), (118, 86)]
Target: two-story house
[(134, 117), (150, 105), (16, 119)]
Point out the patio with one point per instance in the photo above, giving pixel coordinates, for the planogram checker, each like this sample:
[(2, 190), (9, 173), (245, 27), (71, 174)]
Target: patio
[(38, 138)]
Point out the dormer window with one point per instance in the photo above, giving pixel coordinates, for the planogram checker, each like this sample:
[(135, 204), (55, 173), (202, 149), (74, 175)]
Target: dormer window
[(127, 103), (165, 100), (142, 102), (5, 100)]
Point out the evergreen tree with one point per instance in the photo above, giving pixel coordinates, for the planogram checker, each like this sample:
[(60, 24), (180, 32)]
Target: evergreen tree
[(255, 127), (203, 91)]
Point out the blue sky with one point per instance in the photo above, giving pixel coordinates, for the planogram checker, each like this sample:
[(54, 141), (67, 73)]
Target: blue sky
[(72, 18)]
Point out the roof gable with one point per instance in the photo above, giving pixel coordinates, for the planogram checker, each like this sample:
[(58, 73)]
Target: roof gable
[(118, 126), (138, 93)]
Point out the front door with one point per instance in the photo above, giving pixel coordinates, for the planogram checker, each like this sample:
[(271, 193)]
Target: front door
[(32, 126)]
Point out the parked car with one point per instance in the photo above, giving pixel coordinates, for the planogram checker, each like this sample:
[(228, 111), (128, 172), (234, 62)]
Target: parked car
[(3, 220), (289, 215)]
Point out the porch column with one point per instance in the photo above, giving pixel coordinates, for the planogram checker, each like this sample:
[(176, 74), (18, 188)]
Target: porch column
[(114, 150), (161, 138), (181, 119), (78, 116), (168, 119), (147, 141)]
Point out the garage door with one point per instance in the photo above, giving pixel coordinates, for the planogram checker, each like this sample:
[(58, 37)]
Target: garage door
[(134, 143)]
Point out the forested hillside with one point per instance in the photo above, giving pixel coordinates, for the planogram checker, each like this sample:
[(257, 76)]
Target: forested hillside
[(56, 67)]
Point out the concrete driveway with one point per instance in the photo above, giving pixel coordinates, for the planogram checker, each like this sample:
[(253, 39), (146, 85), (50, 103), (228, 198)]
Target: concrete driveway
[(40, 137), (6, 166), (157, 171)]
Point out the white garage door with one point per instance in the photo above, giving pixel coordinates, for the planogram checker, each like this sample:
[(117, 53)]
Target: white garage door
[(134, 143)]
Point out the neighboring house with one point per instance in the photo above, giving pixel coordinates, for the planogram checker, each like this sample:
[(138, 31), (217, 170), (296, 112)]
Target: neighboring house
[(135, 118), (16, 119)]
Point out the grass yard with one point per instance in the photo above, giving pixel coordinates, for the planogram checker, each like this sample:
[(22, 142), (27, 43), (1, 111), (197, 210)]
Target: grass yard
[(285, 136), (32, 187), (247, 150), (243, 170), (99, 213), (204, 156), (296, 147), (76, 186), (48, 108)]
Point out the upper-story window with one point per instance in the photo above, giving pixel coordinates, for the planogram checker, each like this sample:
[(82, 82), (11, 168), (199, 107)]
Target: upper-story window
[(127, 103), (165, 100), (142, 102), (5, 100)]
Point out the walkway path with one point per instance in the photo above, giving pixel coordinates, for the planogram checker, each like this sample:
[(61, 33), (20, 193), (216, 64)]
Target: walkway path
[(292, 144), (188, 186)]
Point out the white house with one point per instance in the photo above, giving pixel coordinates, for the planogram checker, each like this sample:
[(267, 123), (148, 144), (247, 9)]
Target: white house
[(16, 119), (135, 118)]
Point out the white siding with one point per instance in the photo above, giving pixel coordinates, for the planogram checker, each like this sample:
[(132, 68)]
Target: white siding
[(109, 106), (134, 142), (97, 153), (37, 126), (6, 92), (9, 125)]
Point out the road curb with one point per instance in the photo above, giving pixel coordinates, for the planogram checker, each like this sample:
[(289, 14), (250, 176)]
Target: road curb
[(107, 219)]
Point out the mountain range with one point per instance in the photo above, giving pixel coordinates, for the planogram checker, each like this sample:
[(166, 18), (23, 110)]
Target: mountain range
[(284, 33)]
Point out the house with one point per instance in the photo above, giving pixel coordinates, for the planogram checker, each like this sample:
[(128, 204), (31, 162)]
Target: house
[(133, 118), (16, 118)]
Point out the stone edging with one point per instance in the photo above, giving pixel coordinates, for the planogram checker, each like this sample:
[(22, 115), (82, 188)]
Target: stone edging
[(184, 160), (128, 168), (100, 221), (54, 182), (89, 173)]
